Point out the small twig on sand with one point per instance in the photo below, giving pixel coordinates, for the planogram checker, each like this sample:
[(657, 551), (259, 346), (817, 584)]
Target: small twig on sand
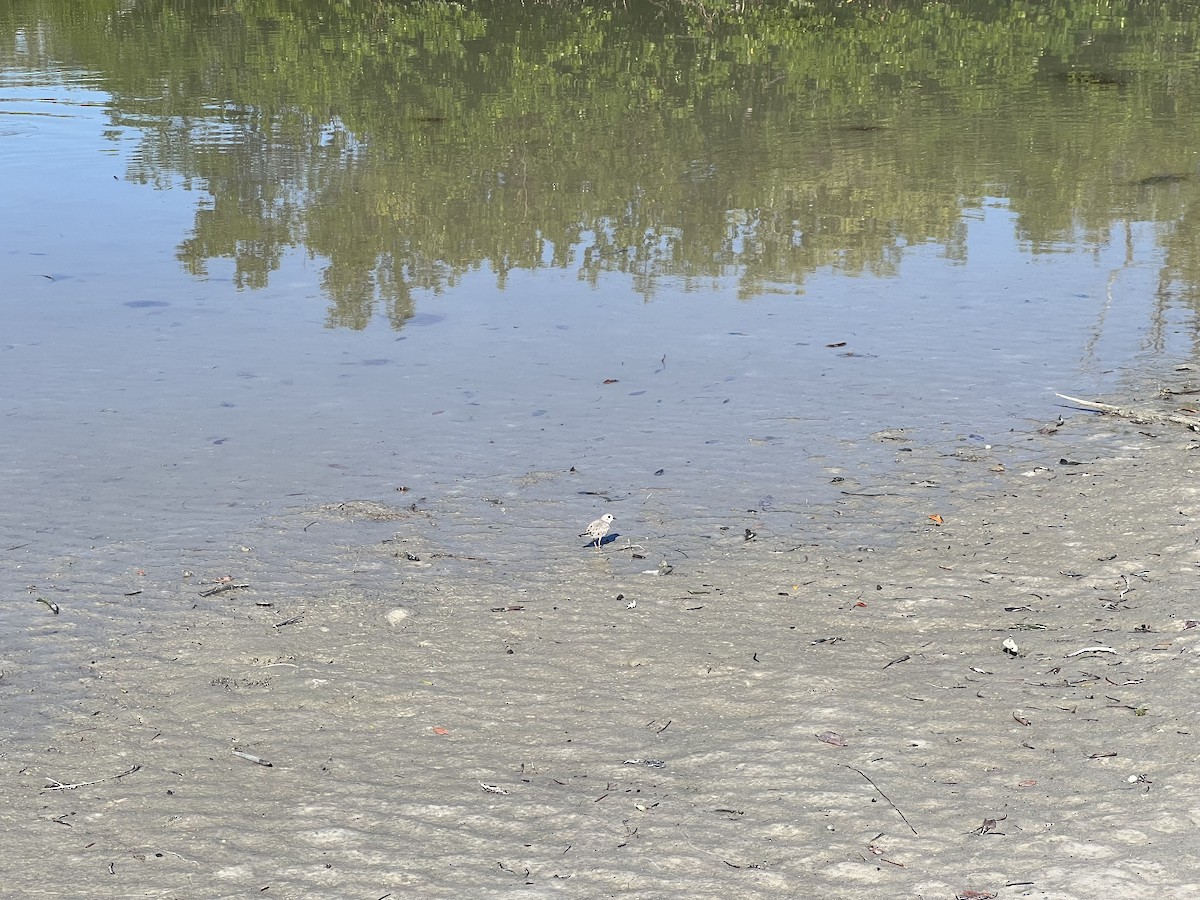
[(257, 760), (1140, 415), (222, 589), (883, 795), (59, 786), (1091, 650)]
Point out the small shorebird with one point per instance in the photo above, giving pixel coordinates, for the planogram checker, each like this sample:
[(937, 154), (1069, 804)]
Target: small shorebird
[(598, 529)]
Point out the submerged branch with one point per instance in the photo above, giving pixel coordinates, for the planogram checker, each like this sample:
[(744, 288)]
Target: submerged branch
[(1139, 415)]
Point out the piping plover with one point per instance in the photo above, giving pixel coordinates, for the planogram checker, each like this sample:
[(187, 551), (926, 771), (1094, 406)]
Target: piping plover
[(598, 529)]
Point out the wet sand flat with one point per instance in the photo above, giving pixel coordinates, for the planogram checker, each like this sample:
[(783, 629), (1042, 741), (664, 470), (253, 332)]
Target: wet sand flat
[(462, 703)]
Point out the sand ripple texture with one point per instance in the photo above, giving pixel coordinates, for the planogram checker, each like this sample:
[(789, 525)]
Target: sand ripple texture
[(807, 712)]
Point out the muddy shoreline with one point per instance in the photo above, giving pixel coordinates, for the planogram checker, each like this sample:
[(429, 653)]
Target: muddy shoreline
[(823, 705)]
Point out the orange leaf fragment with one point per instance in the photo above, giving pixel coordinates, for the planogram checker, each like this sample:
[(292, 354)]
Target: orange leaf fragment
[(936, 519), (440, 730)]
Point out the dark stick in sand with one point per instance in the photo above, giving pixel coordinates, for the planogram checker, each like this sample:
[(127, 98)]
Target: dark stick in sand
[(883, 795)]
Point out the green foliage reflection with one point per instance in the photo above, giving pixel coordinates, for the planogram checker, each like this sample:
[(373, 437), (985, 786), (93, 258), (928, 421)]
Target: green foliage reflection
[(405, 144)]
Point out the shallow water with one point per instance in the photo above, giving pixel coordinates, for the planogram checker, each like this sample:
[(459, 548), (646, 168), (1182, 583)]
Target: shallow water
[(377, 315), (155, 386), (747, 294)]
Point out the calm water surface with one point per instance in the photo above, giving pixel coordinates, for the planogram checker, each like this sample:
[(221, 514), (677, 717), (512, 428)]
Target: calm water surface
[(253, 264)]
